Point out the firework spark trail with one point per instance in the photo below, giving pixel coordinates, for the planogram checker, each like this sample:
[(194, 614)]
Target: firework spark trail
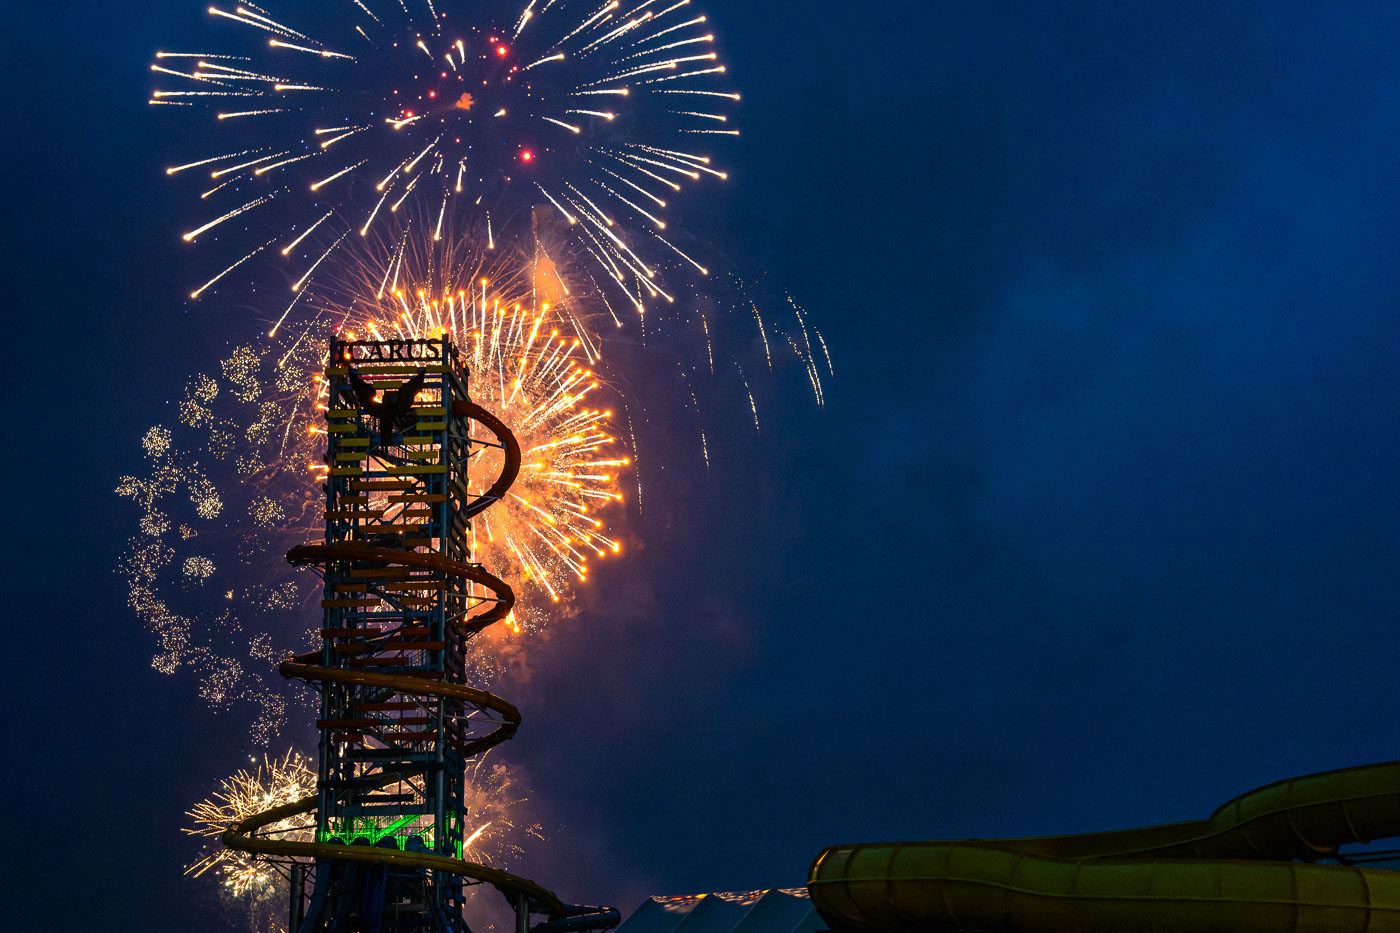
[(753, 406), (510, 125)]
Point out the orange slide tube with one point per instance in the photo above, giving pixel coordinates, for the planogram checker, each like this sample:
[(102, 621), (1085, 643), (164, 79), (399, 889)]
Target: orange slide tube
[(1237, 872)]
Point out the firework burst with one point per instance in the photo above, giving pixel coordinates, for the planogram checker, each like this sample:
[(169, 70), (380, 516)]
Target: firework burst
[(217, 507), (231, 482), (270, 784), (493, 806), (530, 373), (532, 360), (334, 120)]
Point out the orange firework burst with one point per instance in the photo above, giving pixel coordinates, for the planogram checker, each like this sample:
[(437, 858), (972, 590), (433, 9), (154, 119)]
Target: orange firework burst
[(528, 365), (530, 373), (532, 361)]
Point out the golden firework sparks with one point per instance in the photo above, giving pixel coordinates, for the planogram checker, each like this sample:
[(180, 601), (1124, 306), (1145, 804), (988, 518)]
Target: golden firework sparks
[(273, 782), (493, 804), (533, 365)]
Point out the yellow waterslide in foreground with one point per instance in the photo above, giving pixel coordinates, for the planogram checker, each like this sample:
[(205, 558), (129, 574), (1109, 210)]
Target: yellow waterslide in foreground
[(1245, 870)]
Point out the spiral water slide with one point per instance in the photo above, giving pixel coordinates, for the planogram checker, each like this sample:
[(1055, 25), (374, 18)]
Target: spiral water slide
[(525, 895), (1249, 868)]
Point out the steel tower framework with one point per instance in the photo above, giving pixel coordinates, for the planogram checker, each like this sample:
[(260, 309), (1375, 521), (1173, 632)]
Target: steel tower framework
[(402, 598)]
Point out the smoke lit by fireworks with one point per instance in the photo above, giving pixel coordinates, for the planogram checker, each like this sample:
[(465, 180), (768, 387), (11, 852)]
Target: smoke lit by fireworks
[(328, 122)]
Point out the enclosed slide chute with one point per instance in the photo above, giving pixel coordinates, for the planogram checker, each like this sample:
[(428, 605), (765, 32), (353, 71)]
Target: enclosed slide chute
[(1250, 868)]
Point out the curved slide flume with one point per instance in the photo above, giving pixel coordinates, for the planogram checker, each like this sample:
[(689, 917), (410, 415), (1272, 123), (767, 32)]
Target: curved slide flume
[(1247, 869), (510, 464), (244, 836)]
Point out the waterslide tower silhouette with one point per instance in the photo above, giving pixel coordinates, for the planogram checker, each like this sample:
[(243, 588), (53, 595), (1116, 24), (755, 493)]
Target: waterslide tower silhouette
[(398, 723)]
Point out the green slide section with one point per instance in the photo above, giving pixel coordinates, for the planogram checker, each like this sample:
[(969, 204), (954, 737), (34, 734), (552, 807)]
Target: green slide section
[(1247, 869)]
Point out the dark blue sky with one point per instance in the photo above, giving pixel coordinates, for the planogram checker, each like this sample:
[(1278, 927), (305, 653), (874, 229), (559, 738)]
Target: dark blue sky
[(1098, 528)]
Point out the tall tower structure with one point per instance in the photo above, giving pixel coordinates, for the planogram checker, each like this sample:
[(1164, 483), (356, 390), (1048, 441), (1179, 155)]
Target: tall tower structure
[(402, 598)]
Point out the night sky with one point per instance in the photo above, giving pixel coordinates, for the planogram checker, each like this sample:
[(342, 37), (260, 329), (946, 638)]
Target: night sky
[(1097, 529)]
